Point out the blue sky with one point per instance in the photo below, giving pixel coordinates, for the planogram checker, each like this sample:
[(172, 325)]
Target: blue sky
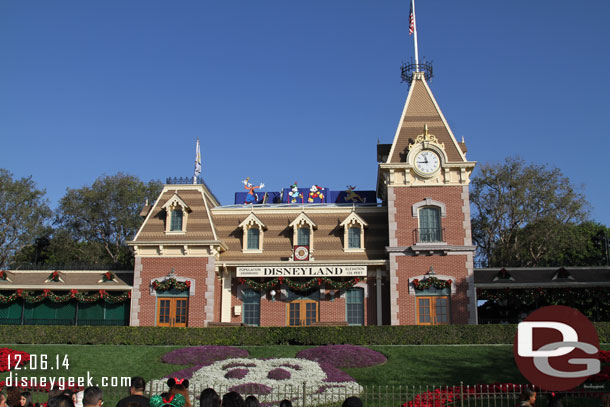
[(284, 91)]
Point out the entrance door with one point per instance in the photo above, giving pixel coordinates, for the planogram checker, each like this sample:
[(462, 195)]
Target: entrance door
[(302, 312), (432, 310), (172, 312)]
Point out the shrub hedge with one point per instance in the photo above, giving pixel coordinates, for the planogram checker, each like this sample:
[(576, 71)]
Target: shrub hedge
[(253, 336)]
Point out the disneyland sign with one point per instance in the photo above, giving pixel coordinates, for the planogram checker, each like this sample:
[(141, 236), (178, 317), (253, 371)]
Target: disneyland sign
[(315, 271)]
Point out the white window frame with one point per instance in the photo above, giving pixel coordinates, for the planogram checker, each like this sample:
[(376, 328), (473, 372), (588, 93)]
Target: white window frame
[(303, 221), (252, 221), (175, 203), (351, 220)]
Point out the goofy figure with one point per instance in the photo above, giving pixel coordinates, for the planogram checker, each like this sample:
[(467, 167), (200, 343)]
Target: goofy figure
[(251, 197)]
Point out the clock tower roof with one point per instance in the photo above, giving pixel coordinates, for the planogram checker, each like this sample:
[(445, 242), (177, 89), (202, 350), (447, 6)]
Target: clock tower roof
[(421, 111)]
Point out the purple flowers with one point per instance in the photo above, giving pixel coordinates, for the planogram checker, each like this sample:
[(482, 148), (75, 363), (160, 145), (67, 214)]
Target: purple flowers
[(203, 355), (236, 373), (279, 374), (335, 375), (343, 356), (235, 364), (200, 356)]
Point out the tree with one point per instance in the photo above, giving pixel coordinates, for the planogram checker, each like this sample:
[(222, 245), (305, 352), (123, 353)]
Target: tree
[(107, 213), (521, 212), (23, 214)]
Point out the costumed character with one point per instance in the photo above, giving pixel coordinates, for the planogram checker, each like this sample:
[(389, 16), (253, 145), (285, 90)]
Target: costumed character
[(352, 196), (179, 387), (294, 193), (251, 197), (167, 400), (315, 192)]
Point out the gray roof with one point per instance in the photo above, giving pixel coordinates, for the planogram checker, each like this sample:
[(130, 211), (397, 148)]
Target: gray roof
[(547, 277)]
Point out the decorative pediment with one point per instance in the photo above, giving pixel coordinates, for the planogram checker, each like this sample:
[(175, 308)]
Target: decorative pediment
[(426, 138), (352, 219), (174, 202), (252, 220), (562, 273), (503, 275), (303, 219)]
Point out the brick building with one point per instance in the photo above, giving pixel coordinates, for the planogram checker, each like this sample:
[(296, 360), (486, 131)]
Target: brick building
[(399, 255)]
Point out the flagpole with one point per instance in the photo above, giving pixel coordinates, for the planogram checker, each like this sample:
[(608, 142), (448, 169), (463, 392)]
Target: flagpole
[(415, 36)]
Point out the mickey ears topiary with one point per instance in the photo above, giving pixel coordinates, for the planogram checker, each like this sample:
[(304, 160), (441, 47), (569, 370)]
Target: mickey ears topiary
[(173, 381), (175, 400)]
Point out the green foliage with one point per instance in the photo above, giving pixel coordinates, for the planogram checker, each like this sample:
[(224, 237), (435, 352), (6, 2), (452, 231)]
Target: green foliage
[(23, 214), (103, 216), (265, 336), (523, 212)]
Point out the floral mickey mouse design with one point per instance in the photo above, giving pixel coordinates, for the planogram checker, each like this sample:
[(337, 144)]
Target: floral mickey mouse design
[(228, 369)]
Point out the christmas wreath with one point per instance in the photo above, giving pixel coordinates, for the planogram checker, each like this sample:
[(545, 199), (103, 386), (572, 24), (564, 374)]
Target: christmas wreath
[(3, 275), (108, 276), (54, 277)]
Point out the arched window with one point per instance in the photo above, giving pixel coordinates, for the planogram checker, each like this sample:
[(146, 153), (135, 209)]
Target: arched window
[(253, 238), (430, 224)]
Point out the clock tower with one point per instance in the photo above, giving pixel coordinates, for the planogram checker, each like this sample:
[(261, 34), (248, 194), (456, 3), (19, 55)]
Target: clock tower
[(423, 178)]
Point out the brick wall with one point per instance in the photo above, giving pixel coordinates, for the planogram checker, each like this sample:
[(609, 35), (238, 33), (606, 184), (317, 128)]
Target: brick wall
[(453, 223), (411, 266), (189, 267)]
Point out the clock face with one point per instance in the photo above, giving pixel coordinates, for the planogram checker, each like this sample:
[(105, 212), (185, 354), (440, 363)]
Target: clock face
[(301, 253), (427, 162)]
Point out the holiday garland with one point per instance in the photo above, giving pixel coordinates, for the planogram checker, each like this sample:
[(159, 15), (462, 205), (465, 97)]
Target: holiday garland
[(80, 296), (171, 283), (431, 282), (299, 286)]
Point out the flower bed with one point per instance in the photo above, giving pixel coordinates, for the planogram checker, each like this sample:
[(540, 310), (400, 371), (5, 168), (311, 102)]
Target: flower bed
[(271, 379), (203, 355), (343, 356)]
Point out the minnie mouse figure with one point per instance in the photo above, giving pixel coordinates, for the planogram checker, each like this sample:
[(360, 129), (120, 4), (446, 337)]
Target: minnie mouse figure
[(179, 387)]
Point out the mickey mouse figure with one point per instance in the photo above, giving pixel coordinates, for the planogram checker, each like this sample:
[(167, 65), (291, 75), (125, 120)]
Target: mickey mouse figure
[(251, 197), (179, 387), (315, 192)]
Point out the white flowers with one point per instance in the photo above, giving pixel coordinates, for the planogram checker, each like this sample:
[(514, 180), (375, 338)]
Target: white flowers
[(306, 376)]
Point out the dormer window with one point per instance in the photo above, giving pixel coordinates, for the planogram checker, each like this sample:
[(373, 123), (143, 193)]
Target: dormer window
[(302, 232), (176, 221), (353, 233), (176, 214), (253, 230)]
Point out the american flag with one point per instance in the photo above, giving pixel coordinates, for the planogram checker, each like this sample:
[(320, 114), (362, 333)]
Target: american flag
[(411, 20)]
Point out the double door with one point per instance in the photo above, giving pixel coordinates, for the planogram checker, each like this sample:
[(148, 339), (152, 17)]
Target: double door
[(302, 312), (172, 312), (432, 310)]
